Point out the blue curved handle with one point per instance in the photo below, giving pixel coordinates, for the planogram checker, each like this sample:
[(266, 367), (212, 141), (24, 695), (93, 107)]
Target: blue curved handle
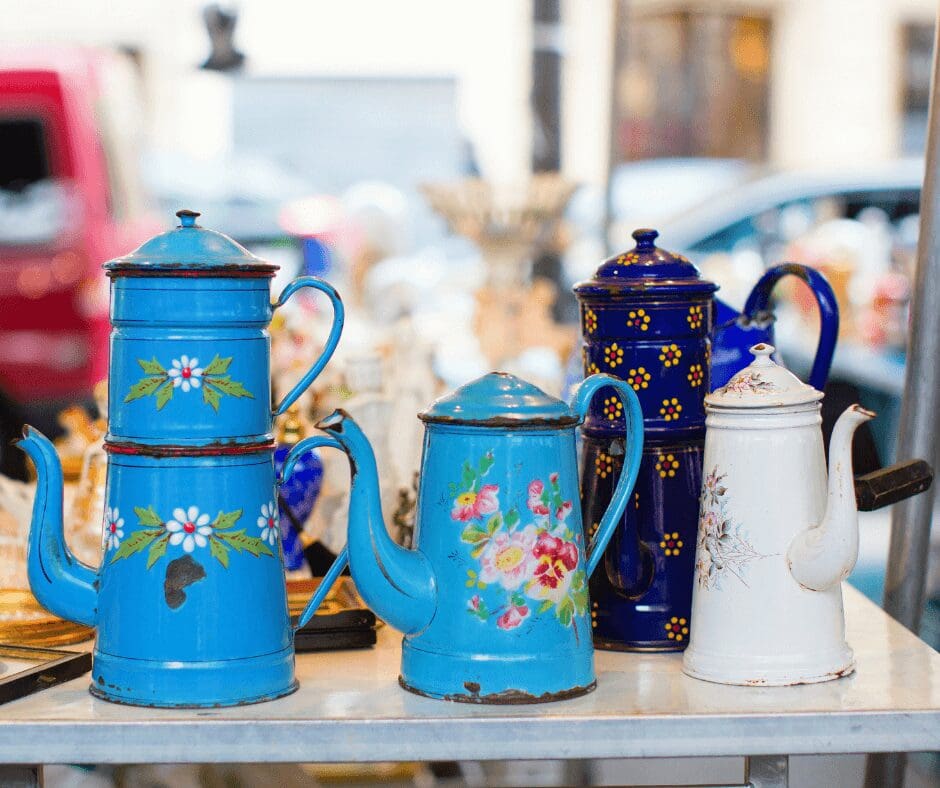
[(759, 300), (301, 448), (339, 317), (633, 451)]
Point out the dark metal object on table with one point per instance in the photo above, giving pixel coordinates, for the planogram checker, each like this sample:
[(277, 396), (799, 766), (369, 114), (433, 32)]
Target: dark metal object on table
[(343, 621), (52, 667)]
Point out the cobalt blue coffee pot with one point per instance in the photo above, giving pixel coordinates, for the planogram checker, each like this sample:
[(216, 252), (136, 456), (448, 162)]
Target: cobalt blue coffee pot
[(646, 317), (189, 601), (493, 599), (734, 334)]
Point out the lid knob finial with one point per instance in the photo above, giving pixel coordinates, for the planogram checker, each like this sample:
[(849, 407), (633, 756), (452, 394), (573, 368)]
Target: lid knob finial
[(187, 217), (762, 353), (644, 238)]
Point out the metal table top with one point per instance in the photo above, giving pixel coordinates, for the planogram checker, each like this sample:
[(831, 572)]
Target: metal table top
[(350, 708)]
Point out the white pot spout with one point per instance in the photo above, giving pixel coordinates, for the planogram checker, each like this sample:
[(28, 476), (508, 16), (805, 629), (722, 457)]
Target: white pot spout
[(824, 554)]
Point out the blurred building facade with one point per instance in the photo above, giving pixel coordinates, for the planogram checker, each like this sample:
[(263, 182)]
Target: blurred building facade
[(804, 82)]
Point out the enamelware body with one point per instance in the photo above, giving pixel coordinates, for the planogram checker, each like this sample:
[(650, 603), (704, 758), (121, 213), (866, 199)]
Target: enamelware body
[(493, 599), (189, 601), (646, 318), (775, 537)]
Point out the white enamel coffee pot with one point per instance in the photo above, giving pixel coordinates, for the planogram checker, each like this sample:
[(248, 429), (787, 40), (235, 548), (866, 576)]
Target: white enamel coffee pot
[(775, 539)]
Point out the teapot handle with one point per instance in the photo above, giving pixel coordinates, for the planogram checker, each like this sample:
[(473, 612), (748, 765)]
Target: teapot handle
[(301, 448), (759, 300), (633, 451), (339, 316)]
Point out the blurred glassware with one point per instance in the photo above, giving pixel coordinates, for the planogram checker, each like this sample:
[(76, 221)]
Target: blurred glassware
[(83, 529)]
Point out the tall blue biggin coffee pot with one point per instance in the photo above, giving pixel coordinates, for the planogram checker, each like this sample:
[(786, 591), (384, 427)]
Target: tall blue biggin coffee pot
[(189, 602)]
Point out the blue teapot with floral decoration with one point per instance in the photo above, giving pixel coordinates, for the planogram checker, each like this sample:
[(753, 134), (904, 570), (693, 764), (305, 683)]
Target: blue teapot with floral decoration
[(493, 599), (189, 601)]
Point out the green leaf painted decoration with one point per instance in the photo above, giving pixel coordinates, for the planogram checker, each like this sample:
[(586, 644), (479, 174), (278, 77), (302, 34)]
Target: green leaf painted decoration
[(157, 550), (213, 380), (240, 541), (223, 520), (218, 366), (211, 397), (219, 551), (144, 388), (134, 543), (148, 516), (152, 367), (164, 394)]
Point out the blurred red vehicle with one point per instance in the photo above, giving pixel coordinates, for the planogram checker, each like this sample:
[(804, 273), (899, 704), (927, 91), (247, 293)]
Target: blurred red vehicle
[(69, 200)]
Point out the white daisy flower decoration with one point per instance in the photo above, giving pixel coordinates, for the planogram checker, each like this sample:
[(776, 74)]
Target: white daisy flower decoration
[(268, 522), (185, 373), (113, 528), (189, 528)]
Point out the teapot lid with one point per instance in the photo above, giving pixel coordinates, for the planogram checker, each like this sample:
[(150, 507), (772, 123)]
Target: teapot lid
[(190, 248), (763, 384), (499, 400), (645, 267)]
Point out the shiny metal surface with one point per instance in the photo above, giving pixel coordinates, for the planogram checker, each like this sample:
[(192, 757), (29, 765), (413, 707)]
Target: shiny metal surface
[(350, 708)]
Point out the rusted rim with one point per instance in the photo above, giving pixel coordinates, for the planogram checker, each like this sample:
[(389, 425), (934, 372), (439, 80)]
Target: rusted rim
[(507, 698), (147, 450), (242, 272)]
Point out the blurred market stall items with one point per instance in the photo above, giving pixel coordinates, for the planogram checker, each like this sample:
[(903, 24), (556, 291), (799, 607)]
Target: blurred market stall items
[(510, 224)]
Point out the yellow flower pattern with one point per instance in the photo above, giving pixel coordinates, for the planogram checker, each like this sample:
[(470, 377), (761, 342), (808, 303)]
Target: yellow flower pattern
[(696, 375), (613, 408), (671, 544), (593, 369), (671, 409), (590, 321), (694, 317), (670, 355), (628, 259), (637, 318), (603, 465), (638, 378), (677, 629), (613, 355), (667, 465)]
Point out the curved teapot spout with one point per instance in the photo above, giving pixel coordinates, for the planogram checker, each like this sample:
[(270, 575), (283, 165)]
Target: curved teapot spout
[(398, 584), (824, 554), (60, 582)]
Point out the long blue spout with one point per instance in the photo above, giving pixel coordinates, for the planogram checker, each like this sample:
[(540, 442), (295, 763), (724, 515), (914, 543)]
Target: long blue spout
[(60, 582), (398, 584)]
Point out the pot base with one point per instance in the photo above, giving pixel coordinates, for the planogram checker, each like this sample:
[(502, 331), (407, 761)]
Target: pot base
[(767, 672), (193, 685), (497, 679)]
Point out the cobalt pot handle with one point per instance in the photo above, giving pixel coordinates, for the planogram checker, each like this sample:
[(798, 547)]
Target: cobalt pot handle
[(339, 316), (633, 451), (296, 452), (759, 301)]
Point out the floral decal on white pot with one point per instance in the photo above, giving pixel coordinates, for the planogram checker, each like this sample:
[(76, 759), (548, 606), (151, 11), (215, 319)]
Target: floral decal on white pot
[(113, 528), (525, 569), (268, 522), (185, 375), (189, 530), (723, 549)]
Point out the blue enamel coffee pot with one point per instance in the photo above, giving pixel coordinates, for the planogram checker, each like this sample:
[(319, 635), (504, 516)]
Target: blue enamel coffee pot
[(189, 601), (493, 599), (734, 334), (646, 318)]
